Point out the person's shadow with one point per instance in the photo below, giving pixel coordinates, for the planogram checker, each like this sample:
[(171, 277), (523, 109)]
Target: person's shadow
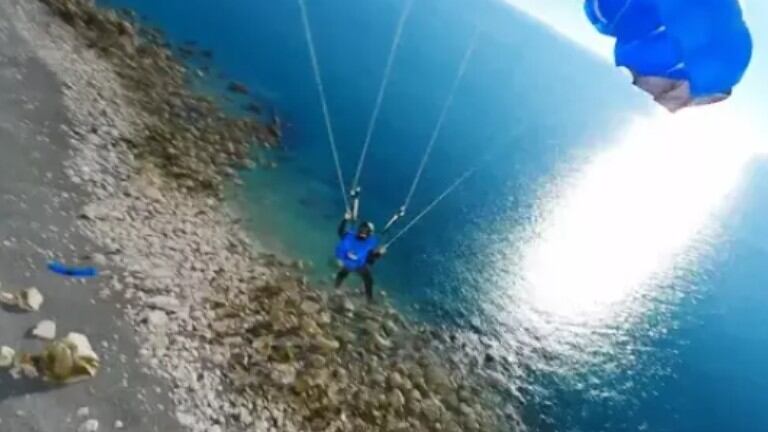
[(11, 387), (12, 309)]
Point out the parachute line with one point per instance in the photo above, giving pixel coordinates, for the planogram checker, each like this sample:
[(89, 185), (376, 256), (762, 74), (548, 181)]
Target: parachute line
[(598, 12), (382, 90), (323, 102), (439, 125), (433, 204), (489, 155), (621, 13)]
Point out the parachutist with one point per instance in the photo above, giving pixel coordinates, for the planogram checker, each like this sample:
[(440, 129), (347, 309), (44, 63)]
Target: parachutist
[(358, 250)]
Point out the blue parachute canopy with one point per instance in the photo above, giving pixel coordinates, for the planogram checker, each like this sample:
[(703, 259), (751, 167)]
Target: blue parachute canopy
[(683, 52)]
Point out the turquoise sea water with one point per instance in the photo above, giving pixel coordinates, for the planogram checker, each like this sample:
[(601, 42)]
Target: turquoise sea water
[(626, 280)]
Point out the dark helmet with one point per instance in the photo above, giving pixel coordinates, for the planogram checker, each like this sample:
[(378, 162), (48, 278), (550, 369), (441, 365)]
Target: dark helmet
[(365, 229)]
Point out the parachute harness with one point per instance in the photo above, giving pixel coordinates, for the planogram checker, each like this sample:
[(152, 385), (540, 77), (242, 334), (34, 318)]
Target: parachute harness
[(352, 198)]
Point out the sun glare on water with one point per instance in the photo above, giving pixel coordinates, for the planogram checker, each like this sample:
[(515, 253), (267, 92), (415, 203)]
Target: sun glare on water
[(624, 218)]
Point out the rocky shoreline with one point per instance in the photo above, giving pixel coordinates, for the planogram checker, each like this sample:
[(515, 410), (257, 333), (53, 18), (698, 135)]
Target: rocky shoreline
[(244, 340)]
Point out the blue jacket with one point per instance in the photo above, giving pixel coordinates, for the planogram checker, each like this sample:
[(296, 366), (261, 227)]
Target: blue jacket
[(353, 252)]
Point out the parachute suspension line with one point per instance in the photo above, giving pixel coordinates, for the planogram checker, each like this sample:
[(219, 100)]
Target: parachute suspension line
[(323, 102), (620, 14), (395, 217), (401, 212), (440, 121), (382, 90), (432, 205), (355, 195)]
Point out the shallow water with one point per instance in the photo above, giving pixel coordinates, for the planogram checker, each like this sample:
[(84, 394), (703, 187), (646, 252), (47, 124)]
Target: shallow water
[(618, 263)]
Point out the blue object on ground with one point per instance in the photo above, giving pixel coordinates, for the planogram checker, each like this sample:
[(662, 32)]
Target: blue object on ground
[(72, 271)]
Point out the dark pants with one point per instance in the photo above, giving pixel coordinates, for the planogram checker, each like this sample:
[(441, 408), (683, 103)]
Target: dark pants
[(365, 274)]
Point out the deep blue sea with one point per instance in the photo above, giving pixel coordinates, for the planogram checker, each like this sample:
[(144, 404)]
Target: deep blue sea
[(620, 263)]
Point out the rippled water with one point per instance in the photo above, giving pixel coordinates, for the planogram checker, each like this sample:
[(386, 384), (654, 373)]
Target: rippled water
[(589, 291), (613, 254)]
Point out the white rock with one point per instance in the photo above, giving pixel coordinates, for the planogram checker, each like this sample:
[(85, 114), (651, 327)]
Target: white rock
[(283, 374), (326, 344), (186, 420), (93, 212), (382, 342), (31, 299), (99, 259), (157, 319), (152, 193), (396, 381), (310, 307), (396, 399), (8, 299), (161, 273), (165, 303), (119, 424), (245, 416), (466, 410), (83, 412), (432, 409), (91, 425), (347, 305), (6, 356), (45, 330)]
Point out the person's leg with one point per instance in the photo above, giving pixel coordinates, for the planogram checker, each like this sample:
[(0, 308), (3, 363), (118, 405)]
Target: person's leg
[(367, 276), (340, 276)]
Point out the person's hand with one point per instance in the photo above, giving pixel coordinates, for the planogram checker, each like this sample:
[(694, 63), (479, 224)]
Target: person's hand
[(348, 215), (383, 250)]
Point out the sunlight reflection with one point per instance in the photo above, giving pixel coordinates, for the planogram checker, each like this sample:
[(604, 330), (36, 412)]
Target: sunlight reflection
[(624, 218)]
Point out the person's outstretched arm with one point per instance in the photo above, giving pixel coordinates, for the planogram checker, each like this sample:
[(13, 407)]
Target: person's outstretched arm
[(376, 254), (342, 230)]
